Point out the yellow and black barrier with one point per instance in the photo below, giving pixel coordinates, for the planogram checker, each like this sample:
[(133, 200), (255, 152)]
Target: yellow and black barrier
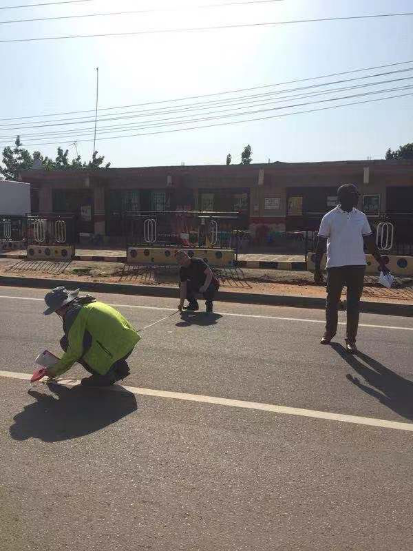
[(399, 265), (166, 255), (51, 252)]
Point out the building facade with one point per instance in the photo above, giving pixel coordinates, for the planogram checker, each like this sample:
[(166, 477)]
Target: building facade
[(277, 197)]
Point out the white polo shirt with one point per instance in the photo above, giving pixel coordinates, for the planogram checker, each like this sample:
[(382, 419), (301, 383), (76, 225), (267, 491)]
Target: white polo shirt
[(345, 233)]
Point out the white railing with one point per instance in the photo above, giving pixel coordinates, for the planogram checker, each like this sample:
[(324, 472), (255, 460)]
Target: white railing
[(150, 230), (39, 230), (7, 229), (385, 236), (60, 231), (213, 231)]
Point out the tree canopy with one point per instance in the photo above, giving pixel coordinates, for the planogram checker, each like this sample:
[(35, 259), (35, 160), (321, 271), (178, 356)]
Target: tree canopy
[(17, 159), (403, 152)]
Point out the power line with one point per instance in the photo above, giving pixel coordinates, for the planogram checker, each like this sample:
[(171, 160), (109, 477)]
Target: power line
[(130, 12), (211, 103), (215, 93), (279, 116), (246, 113), (262, 99), (77, 131), (211, 28), (44, 4)]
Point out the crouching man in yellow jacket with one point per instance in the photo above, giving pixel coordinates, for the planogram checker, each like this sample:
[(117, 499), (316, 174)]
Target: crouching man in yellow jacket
[(96, 336)]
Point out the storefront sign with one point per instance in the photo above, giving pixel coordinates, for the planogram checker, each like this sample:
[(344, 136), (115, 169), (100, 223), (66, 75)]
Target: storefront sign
[(272, 203)]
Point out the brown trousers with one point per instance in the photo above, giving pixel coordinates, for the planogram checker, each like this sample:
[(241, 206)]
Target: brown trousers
[(353, 278)]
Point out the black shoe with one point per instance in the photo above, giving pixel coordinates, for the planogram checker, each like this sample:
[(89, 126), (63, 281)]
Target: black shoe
[(209, 308), (191, 307), (98, 381), (122, 373), (351, 347)]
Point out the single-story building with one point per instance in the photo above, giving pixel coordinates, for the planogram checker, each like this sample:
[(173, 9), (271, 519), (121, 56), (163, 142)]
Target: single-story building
[(273, 197)]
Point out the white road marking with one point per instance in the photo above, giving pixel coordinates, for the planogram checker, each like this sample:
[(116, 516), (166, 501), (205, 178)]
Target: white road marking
[(261, 316), (360, 420)]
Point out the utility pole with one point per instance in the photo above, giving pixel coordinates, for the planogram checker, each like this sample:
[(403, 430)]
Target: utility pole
[(96, 110)]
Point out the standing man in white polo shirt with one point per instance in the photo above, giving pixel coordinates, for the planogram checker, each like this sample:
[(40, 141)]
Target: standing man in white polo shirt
[(345, 230)]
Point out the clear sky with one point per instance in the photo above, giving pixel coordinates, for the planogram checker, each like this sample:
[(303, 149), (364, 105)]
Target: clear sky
[(59, 76)]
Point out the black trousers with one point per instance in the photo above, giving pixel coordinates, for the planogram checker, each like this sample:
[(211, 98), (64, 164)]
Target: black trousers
[(119, 369), (208, 295), (353, 278)]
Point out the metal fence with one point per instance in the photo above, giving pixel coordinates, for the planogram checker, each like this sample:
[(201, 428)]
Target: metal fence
[(182, 229), (393, 234), (12, 228), (51, 229)]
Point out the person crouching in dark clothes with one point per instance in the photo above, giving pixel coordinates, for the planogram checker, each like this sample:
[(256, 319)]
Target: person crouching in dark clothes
[(96, 336), (195, 277)]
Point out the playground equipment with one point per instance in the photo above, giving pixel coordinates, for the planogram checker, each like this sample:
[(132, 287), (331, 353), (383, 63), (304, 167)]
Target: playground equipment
[(51, 237), (155, 237)]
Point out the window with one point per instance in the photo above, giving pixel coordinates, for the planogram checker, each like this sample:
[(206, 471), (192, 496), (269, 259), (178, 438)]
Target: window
[(207, 202), (159, 201), (371, 204), (130, 200), (295, 206), (240, 202)]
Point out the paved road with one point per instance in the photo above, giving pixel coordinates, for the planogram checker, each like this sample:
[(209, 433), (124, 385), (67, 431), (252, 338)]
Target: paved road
[(144, 470)]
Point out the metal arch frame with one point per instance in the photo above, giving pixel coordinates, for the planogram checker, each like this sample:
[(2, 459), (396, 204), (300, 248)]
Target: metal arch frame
[(7, 229), (385, 236), (39, 230), (150, 230), (213, 231), (60, 232)]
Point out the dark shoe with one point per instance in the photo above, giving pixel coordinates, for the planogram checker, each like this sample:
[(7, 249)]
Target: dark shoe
[(209, 308), (351, 347), (122, 372), (98, 381), (191, 307), (327, 339)]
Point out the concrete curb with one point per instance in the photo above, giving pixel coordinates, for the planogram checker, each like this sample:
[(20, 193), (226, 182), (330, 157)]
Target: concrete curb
[(279, 265), (392, 309)]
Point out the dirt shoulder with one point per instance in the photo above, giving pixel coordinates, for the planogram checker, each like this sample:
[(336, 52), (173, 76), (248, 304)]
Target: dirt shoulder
[(249, 281)]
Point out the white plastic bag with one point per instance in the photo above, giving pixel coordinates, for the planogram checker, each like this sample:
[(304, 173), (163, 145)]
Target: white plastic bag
[(386, 279)]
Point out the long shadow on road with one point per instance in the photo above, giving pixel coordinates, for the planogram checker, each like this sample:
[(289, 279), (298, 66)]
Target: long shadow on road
[(389, 388), (198, 319), (73, 412)]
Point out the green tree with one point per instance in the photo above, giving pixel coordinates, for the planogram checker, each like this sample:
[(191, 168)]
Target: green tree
[(403, 152), (96, 162), (228, 159), (246, 156), (18, 159), (15, 160)]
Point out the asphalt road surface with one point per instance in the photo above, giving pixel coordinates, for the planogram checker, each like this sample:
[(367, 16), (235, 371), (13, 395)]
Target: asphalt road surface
[(235, 432)]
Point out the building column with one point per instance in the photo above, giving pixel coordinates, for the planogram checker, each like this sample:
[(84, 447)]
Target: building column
[(45, 199), (99, 210)]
